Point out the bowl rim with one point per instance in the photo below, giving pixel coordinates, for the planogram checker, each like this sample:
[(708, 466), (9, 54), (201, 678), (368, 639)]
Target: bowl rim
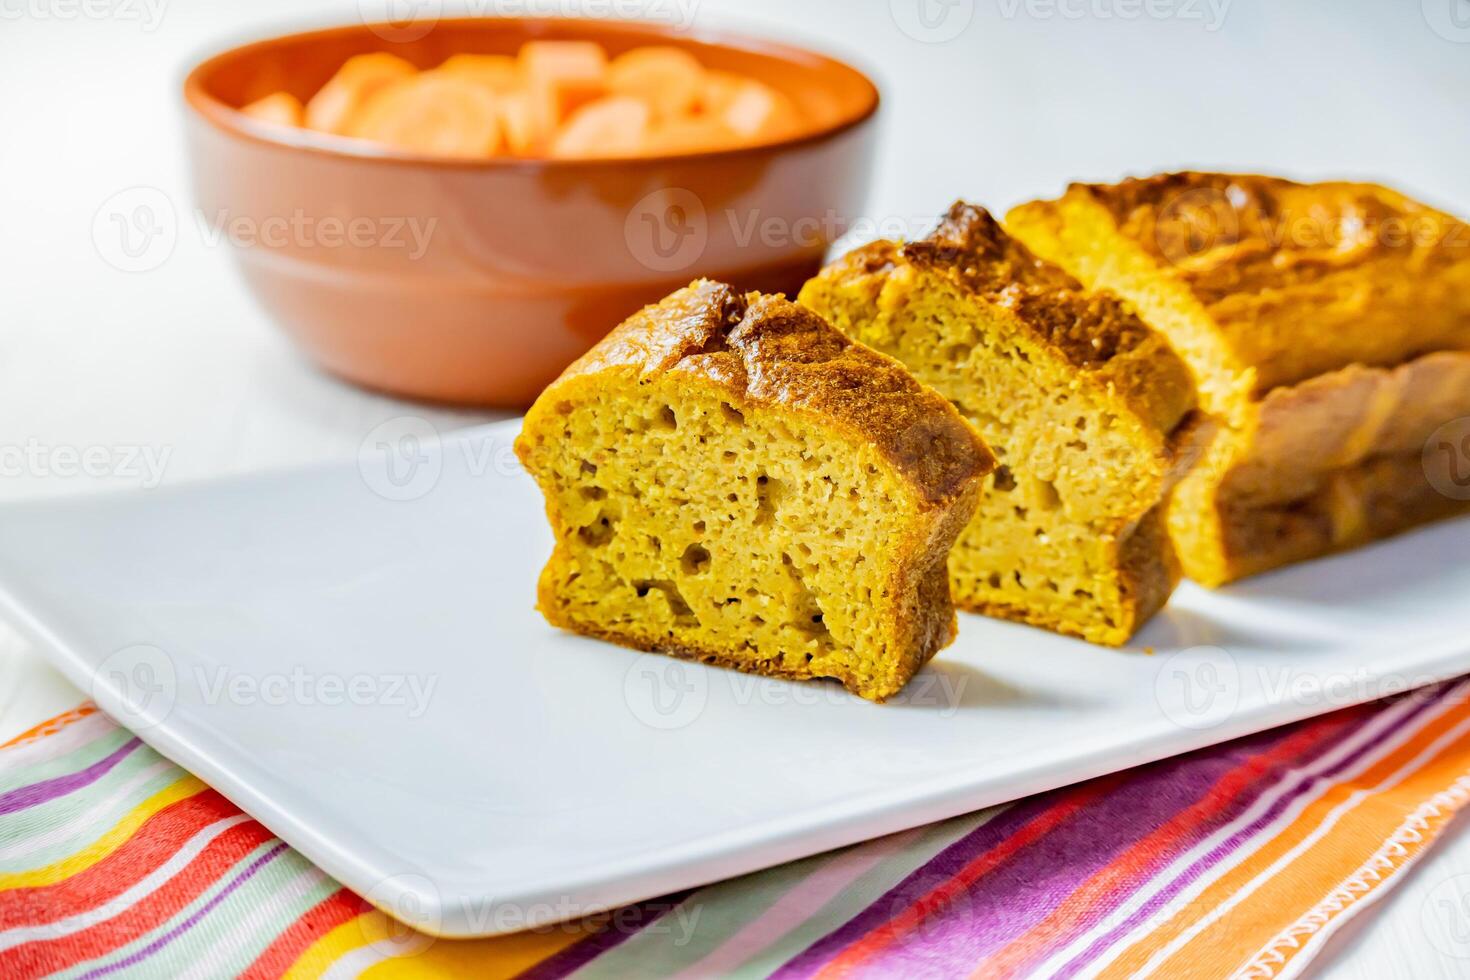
[(234, 122)]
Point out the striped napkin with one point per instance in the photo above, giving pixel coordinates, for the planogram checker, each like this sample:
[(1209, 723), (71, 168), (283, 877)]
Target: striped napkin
[(1239, 860)]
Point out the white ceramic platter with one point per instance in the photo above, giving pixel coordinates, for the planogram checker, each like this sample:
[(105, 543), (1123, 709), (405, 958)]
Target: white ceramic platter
[(350, 653)]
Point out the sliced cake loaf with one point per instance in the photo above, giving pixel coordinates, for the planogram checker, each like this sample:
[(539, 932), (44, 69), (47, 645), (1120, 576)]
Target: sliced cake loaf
[(731, 480), (1087, 410), (1329, 327)]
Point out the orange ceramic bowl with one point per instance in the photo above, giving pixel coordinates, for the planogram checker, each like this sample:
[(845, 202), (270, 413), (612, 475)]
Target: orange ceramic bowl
[(476, 282)]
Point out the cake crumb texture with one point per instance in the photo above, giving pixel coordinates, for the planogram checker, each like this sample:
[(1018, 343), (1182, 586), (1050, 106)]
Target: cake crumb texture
[(1089, 412), (731, 480)]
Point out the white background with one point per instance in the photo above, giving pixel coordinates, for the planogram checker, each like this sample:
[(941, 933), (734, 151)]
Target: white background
[(997, 101)]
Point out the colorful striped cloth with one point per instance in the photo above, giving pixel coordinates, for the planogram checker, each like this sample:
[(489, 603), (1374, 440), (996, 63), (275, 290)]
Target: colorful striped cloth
[(1235, 861)]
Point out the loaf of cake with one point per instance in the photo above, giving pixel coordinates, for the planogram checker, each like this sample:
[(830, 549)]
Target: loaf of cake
[(1089, 412), (731, 480), (1328, 326)]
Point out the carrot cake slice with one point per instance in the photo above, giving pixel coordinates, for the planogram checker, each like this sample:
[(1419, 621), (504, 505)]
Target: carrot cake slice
[(731, 480), (1087, 409), (1328, 326)]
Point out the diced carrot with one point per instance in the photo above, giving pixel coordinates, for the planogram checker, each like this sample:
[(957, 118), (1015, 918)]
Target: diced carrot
[(668, 79), (521, 125), (281, 108), (433, 114), (554, 100), (561, 77), (357, 81), (719, 90), (759, 113), (585, 60), (690, 134), (498, 72), (615, 126)]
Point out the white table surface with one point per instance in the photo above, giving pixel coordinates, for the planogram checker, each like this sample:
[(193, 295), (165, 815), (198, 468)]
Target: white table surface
[(996, 100)]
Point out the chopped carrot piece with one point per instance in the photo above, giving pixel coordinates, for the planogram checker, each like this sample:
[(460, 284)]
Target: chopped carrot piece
[(583, 60), (759, 113), (719, 90), (521, 125), (498, 72), (357, 81), (615, 126), (561, 77), (433, 114), (554, 100), (668, 79), (282, 108), (690, 134)]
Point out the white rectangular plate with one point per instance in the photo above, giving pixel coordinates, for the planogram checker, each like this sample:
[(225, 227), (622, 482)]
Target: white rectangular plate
[(367, 677)]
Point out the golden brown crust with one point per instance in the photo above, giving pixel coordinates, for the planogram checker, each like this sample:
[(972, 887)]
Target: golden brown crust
[(1234, 233), (1303, 278), (1091, 330), (1088, 329), (1311, 315), (770, 351)]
